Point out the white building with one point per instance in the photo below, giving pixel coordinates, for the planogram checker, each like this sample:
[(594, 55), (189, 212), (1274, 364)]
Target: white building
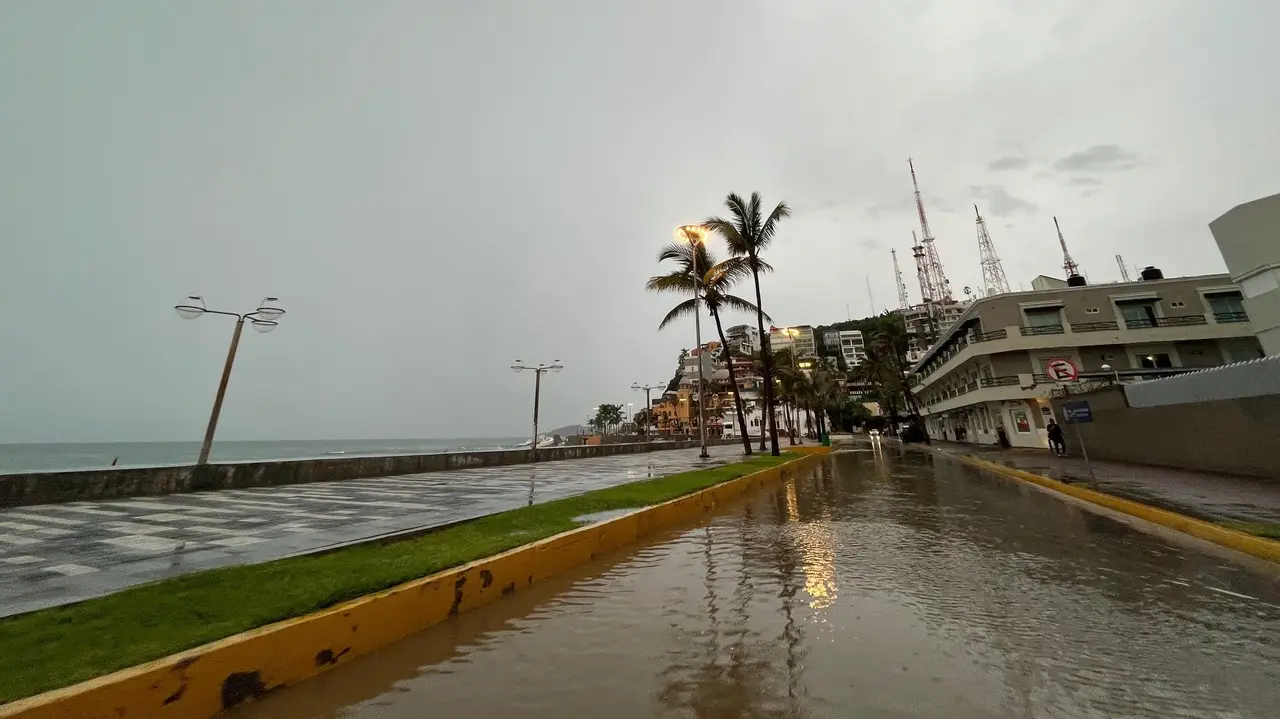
[(852, 347), (801, 336), (1248, 237), (743, 339)]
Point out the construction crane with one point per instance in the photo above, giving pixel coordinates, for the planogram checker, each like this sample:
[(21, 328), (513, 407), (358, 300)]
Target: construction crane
[(993, 280)]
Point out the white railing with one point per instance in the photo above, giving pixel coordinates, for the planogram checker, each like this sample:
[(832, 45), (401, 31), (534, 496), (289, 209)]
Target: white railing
[(1254, 378)]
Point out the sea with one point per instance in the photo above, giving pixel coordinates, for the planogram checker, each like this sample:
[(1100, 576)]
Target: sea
[(55, 457)]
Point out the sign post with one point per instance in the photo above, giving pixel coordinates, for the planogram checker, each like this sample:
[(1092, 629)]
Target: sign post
[(1078, 413)]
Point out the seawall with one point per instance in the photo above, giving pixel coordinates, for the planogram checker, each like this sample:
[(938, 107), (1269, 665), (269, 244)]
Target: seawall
[(17, 490)]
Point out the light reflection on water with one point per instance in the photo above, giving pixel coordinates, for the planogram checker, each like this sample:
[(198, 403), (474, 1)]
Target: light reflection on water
[(878, 585)]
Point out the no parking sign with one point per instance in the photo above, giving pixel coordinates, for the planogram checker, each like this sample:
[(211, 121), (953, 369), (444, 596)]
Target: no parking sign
[(1062, 370)]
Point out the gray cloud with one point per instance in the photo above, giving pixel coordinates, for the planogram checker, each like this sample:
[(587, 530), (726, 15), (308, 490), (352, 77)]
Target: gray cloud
[(999, 203), (430, 209), (1099, 158), (1009, 163), (1085, 181)]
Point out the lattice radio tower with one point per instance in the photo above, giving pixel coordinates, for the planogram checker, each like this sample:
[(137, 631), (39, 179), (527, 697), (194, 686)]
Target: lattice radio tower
[(1068, 264), (902, 287), (993, 280), (922, 269), (938, 283)]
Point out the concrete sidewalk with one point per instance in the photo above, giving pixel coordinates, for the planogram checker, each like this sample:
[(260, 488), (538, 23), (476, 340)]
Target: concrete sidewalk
[(1213, 497), (54, 554)]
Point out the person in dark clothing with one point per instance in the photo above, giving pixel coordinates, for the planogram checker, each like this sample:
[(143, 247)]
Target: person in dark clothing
[(1056, 441)]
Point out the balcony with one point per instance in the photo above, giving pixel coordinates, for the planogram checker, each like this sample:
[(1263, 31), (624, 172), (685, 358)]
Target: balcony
[(988, 336), (1042, 330), (999, 381), (1111, 326), (1229, 317), (1149, 322)]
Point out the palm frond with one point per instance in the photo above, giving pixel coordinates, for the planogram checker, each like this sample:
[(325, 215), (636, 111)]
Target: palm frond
[(680, 310), (769, 227), (673, 282), (733, 302)]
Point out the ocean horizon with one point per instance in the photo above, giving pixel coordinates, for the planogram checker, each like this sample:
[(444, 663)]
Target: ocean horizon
[(65, 456)]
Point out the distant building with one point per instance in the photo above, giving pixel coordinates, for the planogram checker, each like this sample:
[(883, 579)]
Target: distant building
[(1248, 237), (926, 322), (831, 339), (988, 370), (801, 336), (743, 339), (852, 347)]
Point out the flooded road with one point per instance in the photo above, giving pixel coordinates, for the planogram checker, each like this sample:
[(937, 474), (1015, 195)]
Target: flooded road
[(878, 585)]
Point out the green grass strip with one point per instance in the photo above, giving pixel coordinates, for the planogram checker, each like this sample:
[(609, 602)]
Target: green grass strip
[(1268, 530), (57, 647)]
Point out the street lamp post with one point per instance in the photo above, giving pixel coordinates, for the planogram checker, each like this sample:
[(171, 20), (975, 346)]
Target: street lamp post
[(695, 235), (648, 405), (263, 319), (538, 371)]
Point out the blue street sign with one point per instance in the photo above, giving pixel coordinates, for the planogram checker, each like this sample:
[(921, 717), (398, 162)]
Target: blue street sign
[(1077, 413)]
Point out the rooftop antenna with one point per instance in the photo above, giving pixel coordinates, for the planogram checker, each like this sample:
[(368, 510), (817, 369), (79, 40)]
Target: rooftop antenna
[(897, 278), (922, 269), (933, 264), (1124, 271), (993, 280), (1068, 264)]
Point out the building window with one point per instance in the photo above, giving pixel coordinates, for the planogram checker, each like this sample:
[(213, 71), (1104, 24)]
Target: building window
[(1226, 306), (1196, 353), (1138, 315), (1044, 317), (1155, 360), (1241, 354)]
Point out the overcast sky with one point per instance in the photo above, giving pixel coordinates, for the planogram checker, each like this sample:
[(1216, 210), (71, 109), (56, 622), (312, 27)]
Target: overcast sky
[(437, 188)]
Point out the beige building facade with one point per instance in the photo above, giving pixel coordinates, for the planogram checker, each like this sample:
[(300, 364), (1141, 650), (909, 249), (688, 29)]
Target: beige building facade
[(1248, 236), (987, 374)]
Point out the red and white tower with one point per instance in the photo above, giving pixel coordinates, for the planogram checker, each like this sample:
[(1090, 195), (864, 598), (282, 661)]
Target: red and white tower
[(897, 278), (993, 280), (1068, 264), (938, 283)]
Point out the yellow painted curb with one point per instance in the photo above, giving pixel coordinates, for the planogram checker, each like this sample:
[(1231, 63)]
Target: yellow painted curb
[(1239, 541), (204, 681)]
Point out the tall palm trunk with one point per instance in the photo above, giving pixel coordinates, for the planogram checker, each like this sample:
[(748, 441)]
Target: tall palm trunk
[(767, 362), (733, 382)]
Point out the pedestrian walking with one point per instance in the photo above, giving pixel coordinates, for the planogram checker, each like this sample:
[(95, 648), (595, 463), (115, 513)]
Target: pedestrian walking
[(1056, 441)]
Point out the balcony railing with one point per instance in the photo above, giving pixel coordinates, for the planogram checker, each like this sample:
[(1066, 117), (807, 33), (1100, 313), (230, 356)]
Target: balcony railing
[(1095, 326), (1149, 322), (1042, 330), (988, 336), (1226, 317), (1042, 379), (998, 381)]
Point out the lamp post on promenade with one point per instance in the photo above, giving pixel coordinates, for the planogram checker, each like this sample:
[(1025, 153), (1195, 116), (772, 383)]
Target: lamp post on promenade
[(695, 235), (538, 371), (648, 405), (263, 319)]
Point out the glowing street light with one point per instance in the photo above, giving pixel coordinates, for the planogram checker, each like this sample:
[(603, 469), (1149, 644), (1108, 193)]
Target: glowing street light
[(648, 405), (264, 319), (696, 235), (538, 371)]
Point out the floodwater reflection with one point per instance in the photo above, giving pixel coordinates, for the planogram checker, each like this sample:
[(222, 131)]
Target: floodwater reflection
[(880, 584)]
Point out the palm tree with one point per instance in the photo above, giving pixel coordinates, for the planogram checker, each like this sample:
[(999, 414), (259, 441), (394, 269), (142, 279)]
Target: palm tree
[(714, 280), (748, 234)]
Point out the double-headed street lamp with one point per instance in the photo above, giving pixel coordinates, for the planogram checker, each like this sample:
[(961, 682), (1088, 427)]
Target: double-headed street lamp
[(538, 371), (648, 406), (263, 319), (696, 235)]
